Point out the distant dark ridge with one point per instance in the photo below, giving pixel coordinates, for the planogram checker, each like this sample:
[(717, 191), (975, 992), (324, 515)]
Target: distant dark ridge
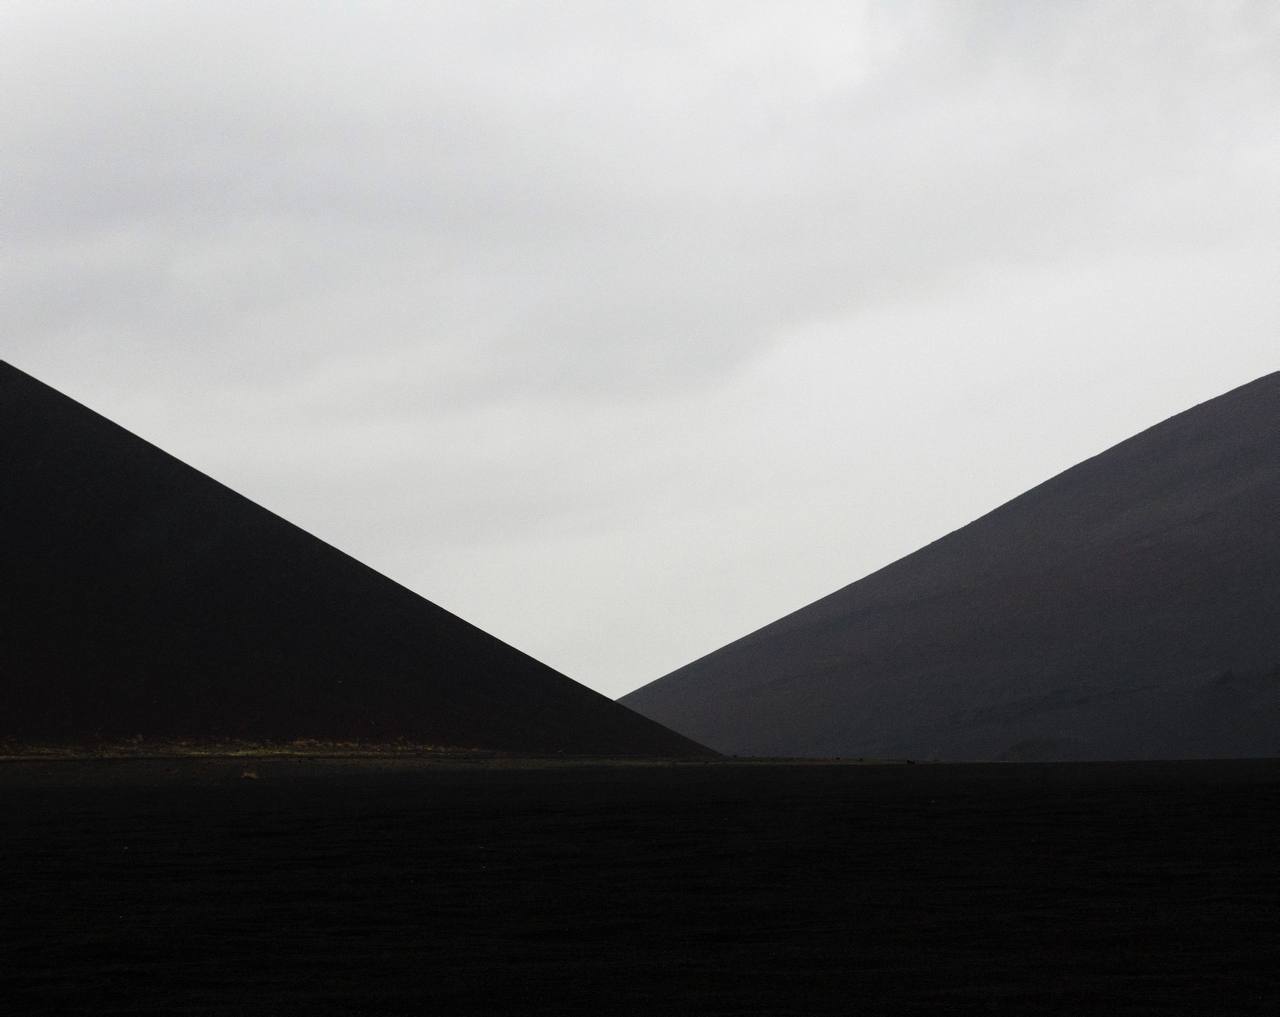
[(1128, 608), (142, 598)]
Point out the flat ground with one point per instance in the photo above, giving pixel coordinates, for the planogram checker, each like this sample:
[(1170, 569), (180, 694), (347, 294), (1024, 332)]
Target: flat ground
[(389, 887)]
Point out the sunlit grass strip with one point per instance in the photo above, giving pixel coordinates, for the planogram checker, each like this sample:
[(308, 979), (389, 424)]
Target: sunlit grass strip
[(134, 748)]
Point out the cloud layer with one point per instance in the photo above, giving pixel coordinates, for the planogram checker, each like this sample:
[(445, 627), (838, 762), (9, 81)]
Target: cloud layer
[(622, 329)]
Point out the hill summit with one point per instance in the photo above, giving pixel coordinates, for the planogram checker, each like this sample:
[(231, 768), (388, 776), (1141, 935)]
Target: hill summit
[(1128, 608), (142, 598)]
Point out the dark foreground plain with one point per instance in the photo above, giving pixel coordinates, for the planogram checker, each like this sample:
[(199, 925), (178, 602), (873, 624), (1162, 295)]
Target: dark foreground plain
[(387, 887)]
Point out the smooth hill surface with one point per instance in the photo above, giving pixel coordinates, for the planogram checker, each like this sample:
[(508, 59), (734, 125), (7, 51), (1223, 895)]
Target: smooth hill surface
[(1128, 608), (141, 597)]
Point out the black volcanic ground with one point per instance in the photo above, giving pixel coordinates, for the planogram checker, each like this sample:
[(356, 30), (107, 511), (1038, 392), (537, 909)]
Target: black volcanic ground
[(1128, 608), (140, 597), (409, 887)]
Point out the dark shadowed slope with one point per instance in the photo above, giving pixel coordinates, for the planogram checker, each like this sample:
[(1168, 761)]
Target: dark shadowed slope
[(1127, 608), (140, 597)]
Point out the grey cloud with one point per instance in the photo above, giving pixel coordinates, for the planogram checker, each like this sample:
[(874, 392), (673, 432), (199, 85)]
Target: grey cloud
[(466, 287)]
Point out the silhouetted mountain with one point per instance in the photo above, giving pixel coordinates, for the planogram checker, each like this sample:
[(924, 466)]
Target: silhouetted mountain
[(1128, 608), (140, 597)]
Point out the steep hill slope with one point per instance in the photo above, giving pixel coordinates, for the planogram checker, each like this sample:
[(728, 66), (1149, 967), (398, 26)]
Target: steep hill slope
[(1127, 608), (140, 597)]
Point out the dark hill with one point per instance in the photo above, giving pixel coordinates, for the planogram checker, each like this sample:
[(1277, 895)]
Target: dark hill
[(1127, 608), (140, 597)]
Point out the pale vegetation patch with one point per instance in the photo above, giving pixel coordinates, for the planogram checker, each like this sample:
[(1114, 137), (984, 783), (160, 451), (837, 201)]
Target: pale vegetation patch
[(139, 747)]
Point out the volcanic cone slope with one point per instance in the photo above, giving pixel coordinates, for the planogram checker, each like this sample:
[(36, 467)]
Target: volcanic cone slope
[(1128, 608), (141, 597)]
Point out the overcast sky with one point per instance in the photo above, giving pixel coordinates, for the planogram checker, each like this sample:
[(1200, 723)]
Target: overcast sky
[(621, 329)]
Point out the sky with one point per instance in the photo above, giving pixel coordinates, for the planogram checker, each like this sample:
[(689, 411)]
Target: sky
[(622, 329)]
